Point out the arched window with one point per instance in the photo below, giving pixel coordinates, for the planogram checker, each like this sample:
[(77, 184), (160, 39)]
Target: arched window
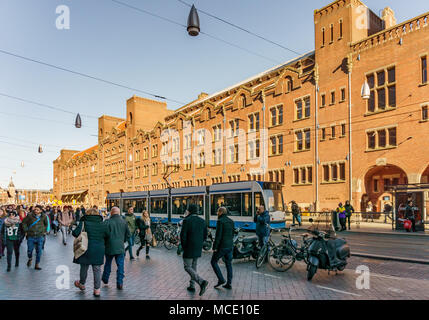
[(243, 101), (289, 84)]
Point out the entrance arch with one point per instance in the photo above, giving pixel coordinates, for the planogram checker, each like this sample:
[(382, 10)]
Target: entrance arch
[(376, 183), (425, 176)]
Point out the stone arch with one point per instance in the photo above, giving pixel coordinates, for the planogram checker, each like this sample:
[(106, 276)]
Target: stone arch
[(375, 186), (424, 177)]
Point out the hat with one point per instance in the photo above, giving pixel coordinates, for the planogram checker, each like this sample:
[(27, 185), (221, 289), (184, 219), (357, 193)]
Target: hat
[(192, 209)]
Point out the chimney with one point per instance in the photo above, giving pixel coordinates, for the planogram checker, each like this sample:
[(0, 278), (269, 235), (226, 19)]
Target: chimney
[(388, 16)]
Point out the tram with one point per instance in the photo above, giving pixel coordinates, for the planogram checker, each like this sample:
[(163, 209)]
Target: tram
[(241, 199)]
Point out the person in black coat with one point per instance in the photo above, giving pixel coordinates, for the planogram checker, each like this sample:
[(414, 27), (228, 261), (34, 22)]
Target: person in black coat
[(192, 236), (92, 223), (223, 246)]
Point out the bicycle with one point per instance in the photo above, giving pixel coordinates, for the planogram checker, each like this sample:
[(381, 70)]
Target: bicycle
[(172, 236), (265, 249), (283, 256)]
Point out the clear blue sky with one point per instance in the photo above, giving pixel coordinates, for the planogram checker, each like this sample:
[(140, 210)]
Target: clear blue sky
[(119, 44)]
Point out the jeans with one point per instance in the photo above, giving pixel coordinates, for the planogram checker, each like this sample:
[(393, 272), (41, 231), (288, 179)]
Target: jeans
[(348, 220), (343, 224), (96, 270), (64, 230), (297, 218), (191, 268), (120, 273), (11, 246), (35, 242), (225, 253), (262, 240), (143, 243), (129, 248)]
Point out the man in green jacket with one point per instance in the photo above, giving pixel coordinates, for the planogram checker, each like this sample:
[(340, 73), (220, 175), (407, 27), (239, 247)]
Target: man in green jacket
[(35, 227), (130, 218), (118, 234)]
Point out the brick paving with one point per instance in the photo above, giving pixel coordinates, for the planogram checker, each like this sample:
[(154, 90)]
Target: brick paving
[(162, 277)]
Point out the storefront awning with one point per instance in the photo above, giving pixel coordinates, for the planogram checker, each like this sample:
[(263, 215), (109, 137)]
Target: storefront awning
[(73, 194)]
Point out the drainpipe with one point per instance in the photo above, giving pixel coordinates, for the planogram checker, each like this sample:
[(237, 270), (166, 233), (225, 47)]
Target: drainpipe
[(264, 165), (350, 67), (224, 147), (316, 137)]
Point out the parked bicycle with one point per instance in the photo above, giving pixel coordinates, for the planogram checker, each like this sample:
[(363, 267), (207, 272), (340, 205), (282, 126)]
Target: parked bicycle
[(266, 248), (172, 236), (283, 256)]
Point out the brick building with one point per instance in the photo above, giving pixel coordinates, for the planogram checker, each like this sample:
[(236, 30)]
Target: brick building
[(303, 123), (12, 195)]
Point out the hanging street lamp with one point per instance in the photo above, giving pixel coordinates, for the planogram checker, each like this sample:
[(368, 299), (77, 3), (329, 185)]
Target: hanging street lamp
[(366, 91), (40, 149), (78, 121), (193, 22)]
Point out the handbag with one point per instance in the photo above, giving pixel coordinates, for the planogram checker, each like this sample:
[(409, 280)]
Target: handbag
[(80, 244), (154, 243)]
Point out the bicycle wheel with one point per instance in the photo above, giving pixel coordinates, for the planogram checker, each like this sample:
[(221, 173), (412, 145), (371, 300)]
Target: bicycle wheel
[(261, 256), (280, 258)]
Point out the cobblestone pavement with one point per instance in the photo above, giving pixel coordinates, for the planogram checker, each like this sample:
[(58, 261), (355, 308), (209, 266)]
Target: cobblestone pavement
[(163, 277)]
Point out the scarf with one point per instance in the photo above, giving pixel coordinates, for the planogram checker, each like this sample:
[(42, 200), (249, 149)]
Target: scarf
[(12, 220)]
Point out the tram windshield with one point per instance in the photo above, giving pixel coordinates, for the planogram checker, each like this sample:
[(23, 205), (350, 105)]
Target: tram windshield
[(274, 200)]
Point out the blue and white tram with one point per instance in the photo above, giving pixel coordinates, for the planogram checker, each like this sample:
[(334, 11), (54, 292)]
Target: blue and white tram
[(241, 199)]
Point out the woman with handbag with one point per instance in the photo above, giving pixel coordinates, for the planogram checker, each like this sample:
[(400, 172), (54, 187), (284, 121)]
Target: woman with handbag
[(145, 233), (96, 234)]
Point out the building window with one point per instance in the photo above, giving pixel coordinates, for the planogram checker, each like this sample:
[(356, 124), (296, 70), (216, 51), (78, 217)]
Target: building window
[(254, 122), (154, 151), (425, 113), (326, 173), (235, 126), (300, 105), (334, 172), (343, 95), (424, 70), (299, 145), (332, 32), (383, 93), (276, 145), (323, 37), (296, 176), (323, 98), (332, 97), (343, 130), (307, 139), (382, 139), (302, 144), (323, 138), (280, 114), (342, 171), (375, 186), (276, 115), (333, 132), (341, 29), (273, 116)]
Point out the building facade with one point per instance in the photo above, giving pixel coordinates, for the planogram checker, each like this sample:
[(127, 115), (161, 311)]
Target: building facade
[(304, 124), (12, 195)]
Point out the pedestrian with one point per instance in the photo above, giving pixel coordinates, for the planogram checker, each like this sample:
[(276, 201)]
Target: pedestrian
[(410, 215), (145, 233), (11, 234), (65, 219), (54, 221), (35, 225), (296, 213), (262, 220), (342, 216), (115, 247), (349, 210), (22, 214), (192, 236), (92, 223), (222, 248), (130, 218), (2, 243)]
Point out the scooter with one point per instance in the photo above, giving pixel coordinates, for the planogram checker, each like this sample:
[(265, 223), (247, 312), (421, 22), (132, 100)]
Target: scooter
[(318, 254), (244, 247)]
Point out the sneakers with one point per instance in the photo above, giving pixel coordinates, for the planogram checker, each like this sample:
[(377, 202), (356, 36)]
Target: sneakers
[(29, 262), (8, 268), (227, 286), (132, 259), (219, 284), (97, 293), (203, 287), (37, 267), (78, 285)]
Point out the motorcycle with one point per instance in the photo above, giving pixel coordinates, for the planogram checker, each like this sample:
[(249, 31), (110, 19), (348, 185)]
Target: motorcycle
[(244, 247), (318, 253)]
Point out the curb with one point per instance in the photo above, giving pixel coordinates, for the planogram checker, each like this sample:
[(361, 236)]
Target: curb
[(386, 233), (390, 258)]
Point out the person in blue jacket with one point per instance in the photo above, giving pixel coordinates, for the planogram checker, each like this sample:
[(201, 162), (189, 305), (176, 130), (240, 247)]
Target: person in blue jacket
[(262, 220)]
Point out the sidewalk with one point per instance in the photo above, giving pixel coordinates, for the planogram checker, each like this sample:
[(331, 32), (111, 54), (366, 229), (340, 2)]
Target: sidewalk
[(366, 228)]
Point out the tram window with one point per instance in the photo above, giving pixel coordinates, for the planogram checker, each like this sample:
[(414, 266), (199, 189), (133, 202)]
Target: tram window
[(236, 204), (180, 204), (138, 205), (259, 200), (158, 205), (112, 203)]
